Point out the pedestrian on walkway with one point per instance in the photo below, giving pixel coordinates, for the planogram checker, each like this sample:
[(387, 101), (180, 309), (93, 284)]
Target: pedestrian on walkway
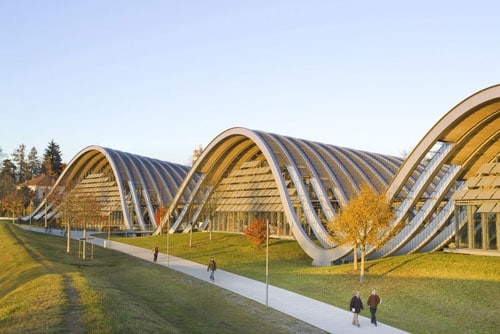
[(212, 267), (155, 253), (356, 306), (373, 302)]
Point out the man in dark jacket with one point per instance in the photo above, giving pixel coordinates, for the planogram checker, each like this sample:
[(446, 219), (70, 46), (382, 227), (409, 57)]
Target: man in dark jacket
[(356, 306)]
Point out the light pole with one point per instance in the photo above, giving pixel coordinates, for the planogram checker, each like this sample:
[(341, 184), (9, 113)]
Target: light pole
[(267, 262), (168, 240), (68, 232), (109, 226)]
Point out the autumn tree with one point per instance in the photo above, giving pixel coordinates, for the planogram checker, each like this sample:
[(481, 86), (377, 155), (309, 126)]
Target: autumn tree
[(256, 232), (7, 180), (26, 195), (160, 212), (12, 204), (364, 223)]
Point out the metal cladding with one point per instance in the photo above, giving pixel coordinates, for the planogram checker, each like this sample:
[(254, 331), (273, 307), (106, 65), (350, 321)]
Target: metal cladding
[(327, 171), (306, 183), (133, 186), (420, 188)]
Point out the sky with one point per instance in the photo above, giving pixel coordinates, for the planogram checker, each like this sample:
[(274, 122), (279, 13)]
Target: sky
[(160, 78)]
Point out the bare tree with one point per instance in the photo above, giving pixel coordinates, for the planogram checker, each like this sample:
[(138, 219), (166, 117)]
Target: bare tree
[(82, 209)]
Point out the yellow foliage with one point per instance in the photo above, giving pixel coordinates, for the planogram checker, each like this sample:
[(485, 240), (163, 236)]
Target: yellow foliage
[(365, 221)]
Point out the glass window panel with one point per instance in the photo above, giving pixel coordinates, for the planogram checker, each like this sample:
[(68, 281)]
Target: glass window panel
[(478, 231), (492, 231)]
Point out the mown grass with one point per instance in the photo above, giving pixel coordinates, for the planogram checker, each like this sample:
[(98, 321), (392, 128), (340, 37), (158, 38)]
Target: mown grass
[(422, 293), (45, 290)]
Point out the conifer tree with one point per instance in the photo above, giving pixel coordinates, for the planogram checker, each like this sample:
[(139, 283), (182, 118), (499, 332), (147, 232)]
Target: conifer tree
[(34, 164), (19, 157), (52, 160)]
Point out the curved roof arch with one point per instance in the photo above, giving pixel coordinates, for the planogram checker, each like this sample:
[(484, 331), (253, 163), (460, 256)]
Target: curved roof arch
[(468, 136), (466, 126), (420, 186), (309, 177), (328, 167), (144, 183)]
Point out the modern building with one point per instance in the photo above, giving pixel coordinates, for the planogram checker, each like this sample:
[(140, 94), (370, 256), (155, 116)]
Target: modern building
[(446, 193), (132, 190)]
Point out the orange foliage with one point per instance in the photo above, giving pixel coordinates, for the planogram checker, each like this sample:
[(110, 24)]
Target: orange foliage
[(256, 232)]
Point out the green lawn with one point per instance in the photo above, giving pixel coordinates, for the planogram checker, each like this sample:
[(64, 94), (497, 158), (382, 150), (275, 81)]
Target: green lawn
[(45, 290), (421, 293), (58, 293)]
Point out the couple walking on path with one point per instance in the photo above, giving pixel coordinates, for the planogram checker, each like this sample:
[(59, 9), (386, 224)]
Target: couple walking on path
[(356, 306)]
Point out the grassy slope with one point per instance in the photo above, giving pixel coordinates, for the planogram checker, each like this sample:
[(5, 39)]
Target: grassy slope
[(115, 293), (421, 293)]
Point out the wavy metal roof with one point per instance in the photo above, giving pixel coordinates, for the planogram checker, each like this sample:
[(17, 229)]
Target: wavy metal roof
[(420, 186), (291, 172), (135, 185)]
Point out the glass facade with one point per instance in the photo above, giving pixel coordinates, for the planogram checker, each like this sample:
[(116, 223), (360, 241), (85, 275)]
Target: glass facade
[(478, 231), (481, 232), (477, 207), (492, 231)]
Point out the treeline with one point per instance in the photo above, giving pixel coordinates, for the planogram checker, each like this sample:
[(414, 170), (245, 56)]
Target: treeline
[(16, 198)]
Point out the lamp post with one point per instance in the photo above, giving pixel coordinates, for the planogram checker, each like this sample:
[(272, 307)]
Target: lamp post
[(168, 240), (68, 232), (267, 262), (109, 226)]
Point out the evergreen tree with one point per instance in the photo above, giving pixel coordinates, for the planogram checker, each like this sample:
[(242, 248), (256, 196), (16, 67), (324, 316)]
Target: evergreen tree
[(52, 160), (34, 164), (19, 157), (8, 169)]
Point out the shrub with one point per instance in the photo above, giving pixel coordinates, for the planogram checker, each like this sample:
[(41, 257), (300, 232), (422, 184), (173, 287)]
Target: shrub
[(256, 232)]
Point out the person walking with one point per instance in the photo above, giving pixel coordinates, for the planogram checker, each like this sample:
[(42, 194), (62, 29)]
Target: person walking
[(356, 306), (212, 267), (373, 302), (155, 253)]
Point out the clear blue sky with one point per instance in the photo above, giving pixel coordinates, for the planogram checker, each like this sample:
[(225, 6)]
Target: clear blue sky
[(159, 78)]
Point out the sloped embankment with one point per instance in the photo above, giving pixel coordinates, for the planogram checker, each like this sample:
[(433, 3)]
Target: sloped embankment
[(34, 296)]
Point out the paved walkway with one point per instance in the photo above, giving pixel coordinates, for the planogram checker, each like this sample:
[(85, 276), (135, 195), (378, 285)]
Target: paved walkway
[(325, 316)]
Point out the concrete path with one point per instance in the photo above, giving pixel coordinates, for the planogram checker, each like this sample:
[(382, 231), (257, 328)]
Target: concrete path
[(325, 316)]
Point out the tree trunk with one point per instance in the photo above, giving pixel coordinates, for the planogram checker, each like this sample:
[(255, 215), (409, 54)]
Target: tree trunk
[(191, 236), (84, 241), (362, 272), (355, 257), (68, 234)]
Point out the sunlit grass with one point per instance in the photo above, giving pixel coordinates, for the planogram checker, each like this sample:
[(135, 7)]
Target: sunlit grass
[(45, 290), (27, 287), (422, 293)]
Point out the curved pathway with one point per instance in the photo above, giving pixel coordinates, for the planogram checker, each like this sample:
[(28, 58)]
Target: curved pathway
[(322, 315)]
